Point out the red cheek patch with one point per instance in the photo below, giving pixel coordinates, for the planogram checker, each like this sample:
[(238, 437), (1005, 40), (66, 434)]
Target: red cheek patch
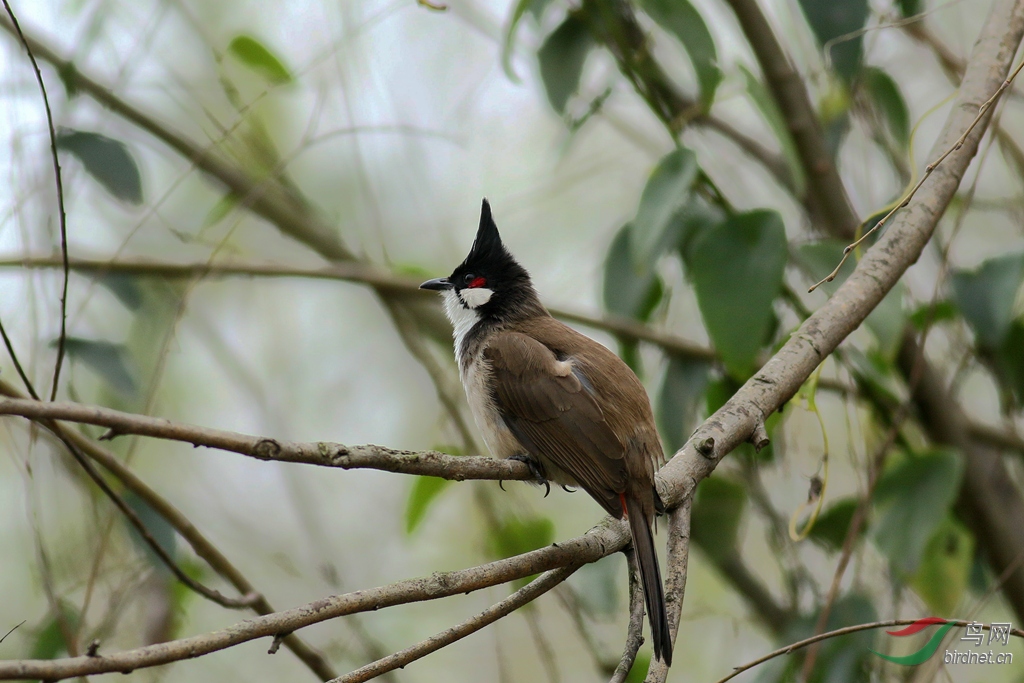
[(478, 282)]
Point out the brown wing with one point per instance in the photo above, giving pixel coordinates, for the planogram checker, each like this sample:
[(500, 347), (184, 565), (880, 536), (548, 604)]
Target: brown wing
[(553, 414)]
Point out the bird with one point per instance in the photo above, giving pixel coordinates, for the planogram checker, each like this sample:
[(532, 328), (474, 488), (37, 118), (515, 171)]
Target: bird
[(547, 395)]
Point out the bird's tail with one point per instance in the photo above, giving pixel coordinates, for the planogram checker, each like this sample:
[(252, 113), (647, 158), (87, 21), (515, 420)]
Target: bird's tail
[(650, 576)]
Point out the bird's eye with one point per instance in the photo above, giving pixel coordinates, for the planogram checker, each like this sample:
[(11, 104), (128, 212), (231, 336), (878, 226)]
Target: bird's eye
[(469, 277), (473, 281)]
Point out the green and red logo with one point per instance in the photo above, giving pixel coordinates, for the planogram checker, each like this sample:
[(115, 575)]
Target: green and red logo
[(929, 648)]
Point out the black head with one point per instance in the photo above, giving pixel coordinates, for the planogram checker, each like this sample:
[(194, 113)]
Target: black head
[(489, 281)]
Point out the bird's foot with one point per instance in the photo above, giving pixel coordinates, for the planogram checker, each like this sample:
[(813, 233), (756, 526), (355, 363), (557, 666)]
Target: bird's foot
[(536, 469)]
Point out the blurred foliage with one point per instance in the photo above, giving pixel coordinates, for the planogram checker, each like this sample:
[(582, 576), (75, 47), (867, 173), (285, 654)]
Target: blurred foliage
[(690, 237)]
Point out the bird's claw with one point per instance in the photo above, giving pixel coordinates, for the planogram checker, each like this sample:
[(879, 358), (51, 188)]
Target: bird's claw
[(536, 469)]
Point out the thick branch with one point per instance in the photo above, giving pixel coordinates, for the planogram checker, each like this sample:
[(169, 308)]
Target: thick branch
[(790, 94), (882, 266), (604, 539)]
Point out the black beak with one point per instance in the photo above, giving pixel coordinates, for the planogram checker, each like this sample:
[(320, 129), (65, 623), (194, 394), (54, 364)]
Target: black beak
[(440, 284)]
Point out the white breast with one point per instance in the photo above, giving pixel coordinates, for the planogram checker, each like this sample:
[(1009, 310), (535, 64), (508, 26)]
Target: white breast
[(475, 374)]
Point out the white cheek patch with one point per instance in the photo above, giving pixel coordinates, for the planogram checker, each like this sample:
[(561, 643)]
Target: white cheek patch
[(463, 319), (476, 297)]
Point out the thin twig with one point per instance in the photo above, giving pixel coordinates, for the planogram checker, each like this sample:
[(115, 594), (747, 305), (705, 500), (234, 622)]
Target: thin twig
[(13, 629), (523, 596), (349, 271), (17, 364), (61, 342), (1016, 632), (149, 539), (635, 628), (985, 106)]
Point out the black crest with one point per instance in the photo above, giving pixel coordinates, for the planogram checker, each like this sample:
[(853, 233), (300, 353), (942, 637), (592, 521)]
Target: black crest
[(489, 258), (487, 248)]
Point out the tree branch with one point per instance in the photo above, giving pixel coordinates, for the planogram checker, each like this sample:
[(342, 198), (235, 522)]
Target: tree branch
[(523, 596), (675, 581), (880, 268), (787, 87), (201, 545), (430, 463), (608, 537), (635, 627)]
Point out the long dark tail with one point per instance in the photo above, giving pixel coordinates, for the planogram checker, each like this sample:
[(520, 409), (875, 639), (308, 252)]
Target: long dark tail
[(650, 576)]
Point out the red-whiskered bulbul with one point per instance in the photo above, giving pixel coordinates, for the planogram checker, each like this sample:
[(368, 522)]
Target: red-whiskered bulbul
[(545, 394)]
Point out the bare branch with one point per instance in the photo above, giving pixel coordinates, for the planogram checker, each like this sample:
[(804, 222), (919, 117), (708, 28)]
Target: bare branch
[(1017, 633), (201, 545), (608, 537), (675, 581), (787, 87), (62, 215), (350, 271), (524, 595), (635, 629), (430, 463)]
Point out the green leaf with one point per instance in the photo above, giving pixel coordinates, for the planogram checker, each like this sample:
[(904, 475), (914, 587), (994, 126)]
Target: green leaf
[(107, 160), (945, 568), (914, 496), (689, 223), (717, 511), (518, 10), (833, 524), (218, 211), (939, 312), (516, 535), (627, 290), (157, 526), (667, 191), (986, 297), (124, 286), (832, 19), (886, 96), (50, 643), (680, 398), (682, 19), (737, 268), (561, 60), (1010, 361), (638, 673), (766, 104), (255, 55), (909, 8), (424, 491), (108, 360)]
